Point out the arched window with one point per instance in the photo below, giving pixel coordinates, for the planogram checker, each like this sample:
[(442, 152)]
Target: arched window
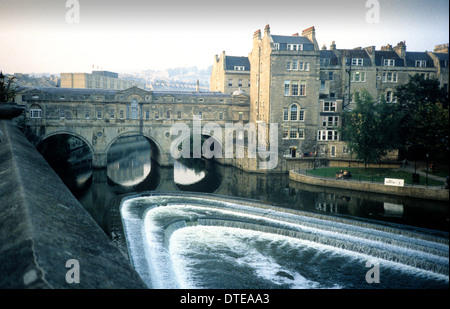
[(294, 112), (35, 111)]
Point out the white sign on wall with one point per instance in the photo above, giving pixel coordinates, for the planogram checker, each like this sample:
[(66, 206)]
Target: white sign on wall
[(394, 182)]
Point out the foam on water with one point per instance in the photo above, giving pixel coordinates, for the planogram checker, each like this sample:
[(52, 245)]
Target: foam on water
[(183, 242)]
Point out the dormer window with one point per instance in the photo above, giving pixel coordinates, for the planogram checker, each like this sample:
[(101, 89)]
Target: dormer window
[(276, 46), (357, 61), (239, 68), (421, 64), (389, 62), (294, 46)]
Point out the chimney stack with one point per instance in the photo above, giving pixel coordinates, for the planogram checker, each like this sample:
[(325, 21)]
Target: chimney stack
[(333, 45), (400, 49), (310, 33), (257, 35), (267, 30)]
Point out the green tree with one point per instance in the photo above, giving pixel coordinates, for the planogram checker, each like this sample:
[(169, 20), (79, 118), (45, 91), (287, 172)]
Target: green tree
[(424, 121), (7, 89), (370, 128)]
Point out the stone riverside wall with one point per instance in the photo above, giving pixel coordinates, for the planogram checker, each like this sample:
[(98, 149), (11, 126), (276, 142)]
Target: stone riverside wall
[(42, 226), (416, 192)]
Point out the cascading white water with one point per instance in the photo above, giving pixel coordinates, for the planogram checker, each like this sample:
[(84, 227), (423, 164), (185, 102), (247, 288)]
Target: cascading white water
[(179, 241)]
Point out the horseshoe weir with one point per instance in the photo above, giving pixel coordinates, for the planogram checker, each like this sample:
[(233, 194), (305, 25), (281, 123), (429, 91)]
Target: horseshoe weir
[(206, 241)]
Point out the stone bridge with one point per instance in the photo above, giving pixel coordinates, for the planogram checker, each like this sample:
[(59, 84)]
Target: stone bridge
[(100, 117)]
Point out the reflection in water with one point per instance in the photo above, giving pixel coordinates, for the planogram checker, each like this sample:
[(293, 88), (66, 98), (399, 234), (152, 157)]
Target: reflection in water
[(197, 175), (129, 160), (70, 158), (189, 174)]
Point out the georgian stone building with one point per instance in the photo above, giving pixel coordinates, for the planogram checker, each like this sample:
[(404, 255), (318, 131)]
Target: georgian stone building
[(304, 89), (230, 74)]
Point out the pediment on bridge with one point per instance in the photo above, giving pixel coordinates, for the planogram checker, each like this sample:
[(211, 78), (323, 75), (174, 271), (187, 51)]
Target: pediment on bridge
[(134, 92)]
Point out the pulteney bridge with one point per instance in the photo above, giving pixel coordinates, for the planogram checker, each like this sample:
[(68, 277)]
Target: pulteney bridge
[(99, 117)]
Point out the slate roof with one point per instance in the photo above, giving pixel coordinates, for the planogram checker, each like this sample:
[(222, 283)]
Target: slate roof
[(412, 57), (72, 91), (329, 54), (357, 53), (232, 61), (443, 59), (284, 40), (381, 55)]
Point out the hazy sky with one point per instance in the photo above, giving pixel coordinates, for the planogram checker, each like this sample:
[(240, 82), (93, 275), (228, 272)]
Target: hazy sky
[(135, 35)]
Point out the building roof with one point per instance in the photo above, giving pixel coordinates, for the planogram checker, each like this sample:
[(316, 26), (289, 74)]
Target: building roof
[(356, 54), (72, 91), (381, 55), (232, 61), (412, 57), (283, 40)]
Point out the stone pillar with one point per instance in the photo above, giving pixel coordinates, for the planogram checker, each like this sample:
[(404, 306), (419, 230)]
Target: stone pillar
[(99, 160)]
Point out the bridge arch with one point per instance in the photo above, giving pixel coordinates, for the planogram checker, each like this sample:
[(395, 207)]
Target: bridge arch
[(156, 148), (65, 132)]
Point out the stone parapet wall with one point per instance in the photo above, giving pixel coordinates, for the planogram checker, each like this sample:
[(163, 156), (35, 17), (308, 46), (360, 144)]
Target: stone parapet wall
[(43, 226)]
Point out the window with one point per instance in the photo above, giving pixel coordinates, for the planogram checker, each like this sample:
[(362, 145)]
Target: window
[(121, 114), (359, 77), (327, 135), (240, 115), (285, 131), (389, 77), (294, 46), (357, 61), (200, 115), (240, 82), (134, 109), (156, 115), (239, 68), (62, 113), (293, 111), (421, 64), (168, 114), (288, 65), (111, 113), (147, 115), (322, 85), (301, 133), (293, 133), (287, 87), (294, 65), (230, 83), (303, 88), (221, 115), (389, 62), (330, 121), (36, 113), (304, 66), (301, 115), (179, 114), (329, 106), (330, 75), (294, 87), (325, 62), (276, 46), (285, 115), (390, 97), (99, 114)]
